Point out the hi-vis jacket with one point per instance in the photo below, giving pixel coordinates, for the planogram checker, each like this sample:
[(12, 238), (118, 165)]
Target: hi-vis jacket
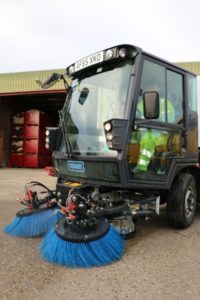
[(147, 148), (149, 140), (170, 111)]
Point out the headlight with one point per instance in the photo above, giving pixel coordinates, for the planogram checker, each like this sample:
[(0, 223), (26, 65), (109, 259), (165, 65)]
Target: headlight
[(47, 140), (109, 136), (108, 126), (47, 145), (47, 132)]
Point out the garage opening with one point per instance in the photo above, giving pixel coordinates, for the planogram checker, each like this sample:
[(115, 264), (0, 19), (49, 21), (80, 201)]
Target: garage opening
[(21, 95), (23, 119)]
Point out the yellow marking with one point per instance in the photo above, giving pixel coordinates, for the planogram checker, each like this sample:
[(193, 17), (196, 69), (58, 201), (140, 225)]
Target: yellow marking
[(72, 184)]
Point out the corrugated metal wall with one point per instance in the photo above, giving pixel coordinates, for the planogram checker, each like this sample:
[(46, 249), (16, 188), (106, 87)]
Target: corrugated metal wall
[(26, 81), (193, 66)]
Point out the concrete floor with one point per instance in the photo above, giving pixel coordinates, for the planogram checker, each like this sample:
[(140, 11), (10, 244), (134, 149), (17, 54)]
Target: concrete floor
[(159, 263)]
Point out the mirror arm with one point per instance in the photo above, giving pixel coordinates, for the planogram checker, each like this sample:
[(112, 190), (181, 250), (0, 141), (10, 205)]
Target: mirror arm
[(67, 86), (138, 123)]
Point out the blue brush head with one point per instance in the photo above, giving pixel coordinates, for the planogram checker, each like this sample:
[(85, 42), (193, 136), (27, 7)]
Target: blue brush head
[(100, 252), (33, 225)]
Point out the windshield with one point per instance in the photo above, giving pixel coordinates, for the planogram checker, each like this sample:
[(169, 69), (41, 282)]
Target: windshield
[(95, 99)]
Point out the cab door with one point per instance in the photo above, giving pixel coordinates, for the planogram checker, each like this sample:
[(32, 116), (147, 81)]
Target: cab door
[(155, 144)]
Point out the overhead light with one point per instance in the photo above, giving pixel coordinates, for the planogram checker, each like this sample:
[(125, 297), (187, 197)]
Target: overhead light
[(71, 69), (122, 52), (109, 54), (38, 81)]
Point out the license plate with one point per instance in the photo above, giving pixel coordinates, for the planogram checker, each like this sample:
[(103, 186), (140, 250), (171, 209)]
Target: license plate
[(76, 166), (89, 61)]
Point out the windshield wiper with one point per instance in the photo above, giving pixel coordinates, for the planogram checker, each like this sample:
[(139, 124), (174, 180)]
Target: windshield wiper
[(62, 122), (64, 133)]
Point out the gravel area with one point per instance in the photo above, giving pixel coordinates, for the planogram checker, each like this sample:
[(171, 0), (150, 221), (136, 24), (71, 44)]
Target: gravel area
[(159, 263)]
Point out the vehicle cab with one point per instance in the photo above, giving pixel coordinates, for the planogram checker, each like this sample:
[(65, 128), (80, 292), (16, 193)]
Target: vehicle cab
[(106, 120)]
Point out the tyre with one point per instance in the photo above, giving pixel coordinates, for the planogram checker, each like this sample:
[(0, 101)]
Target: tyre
[(181, 205)]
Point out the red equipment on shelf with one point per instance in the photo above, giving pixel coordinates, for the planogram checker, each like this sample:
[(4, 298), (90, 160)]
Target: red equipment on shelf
[(28, 139), (34, 132)]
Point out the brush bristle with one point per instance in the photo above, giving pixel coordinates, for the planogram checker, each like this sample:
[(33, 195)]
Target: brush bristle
[(33, 225), (107, 249)]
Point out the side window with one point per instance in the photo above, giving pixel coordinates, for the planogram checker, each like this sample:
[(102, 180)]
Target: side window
[(152, 150), (192, 136), (169, 85), (192, 93), (174, 97), (153, 79)]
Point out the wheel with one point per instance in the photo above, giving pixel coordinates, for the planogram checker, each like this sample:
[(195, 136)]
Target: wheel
[(181, 205)]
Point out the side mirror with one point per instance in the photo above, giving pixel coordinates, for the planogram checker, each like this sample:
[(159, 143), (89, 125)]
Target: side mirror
[(51, 81), (83, 95), (151, 105), (52, 135)]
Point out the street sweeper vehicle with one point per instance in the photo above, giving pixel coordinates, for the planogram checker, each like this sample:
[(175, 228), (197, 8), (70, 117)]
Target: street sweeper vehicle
[(127, 142)]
